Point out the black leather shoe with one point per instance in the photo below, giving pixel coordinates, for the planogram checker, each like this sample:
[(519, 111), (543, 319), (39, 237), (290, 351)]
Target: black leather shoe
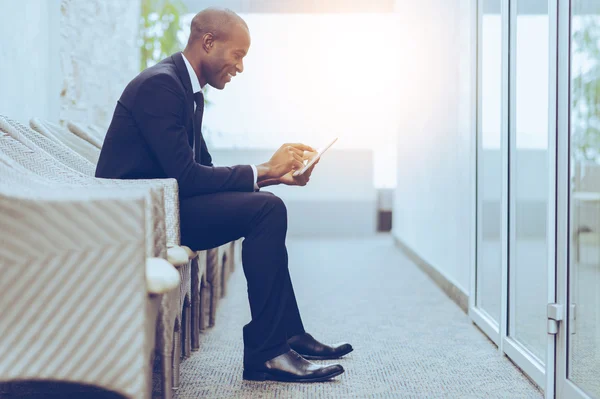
[(310, 348), (291, 367)]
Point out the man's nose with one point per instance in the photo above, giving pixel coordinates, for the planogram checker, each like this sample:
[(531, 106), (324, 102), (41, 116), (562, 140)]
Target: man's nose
[(240, 67)]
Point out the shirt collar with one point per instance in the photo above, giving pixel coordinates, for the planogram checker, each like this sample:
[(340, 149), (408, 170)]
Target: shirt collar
[(193, 77)]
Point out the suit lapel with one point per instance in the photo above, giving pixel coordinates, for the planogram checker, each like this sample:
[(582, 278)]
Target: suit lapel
[(184, 76)]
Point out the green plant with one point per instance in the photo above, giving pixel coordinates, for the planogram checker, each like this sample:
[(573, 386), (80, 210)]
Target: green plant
[(585, 95), (159, 28)]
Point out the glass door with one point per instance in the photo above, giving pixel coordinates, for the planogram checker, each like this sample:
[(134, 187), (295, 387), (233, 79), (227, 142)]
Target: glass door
[(531, 213), (578, 356), (491, 175), (515, 275)]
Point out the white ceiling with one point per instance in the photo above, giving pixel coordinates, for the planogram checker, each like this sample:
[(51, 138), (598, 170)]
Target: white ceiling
[(294, 6)]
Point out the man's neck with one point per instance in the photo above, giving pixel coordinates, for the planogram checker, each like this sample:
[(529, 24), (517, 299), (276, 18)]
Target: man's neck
[(195, 66)]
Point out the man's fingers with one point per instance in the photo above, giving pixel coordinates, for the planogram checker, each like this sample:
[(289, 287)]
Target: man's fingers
[(302, 147), (295, 150), (297, 165), (299, 158), (308, 155), (306, 175)]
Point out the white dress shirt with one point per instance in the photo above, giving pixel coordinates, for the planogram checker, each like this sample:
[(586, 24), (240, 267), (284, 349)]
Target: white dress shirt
[(195, 89)]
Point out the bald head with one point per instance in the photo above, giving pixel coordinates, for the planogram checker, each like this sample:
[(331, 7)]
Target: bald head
[(218, 22), (219, 41)]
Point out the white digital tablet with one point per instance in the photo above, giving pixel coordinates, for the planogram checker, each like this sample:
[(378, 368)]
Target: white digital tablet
[(315, 158)]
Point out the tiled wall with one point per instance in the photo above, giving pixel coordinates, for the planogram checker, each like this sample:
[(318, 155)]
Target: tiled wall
[(98, 56)]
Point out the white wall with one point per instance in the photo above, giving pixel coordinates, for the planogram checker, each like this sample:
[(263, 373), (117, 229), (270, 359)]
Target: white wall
[(434, 205), (66, 59), (311, 77), (29, 60)]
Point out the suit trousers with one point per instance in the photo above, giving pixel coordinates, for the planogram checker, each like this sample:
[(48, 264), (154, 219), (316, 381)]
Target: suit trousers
[(211, 220)]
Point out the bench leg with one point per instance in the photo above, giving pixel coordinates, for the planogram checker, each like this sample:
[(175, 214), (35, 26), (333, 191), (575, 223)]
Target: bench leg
[(166, 375), (224, 276), (205, 296), (176, 358), (196, 323), (187, 344), (214, 300)]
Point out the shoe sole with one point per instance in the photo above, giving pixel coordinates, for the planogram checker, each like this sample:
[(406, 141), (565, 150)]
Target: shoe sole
[(309, 357), (261, 376)]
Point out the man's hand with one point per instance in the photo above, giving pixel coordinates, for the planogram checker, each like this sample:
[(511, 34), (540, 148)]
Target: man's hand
[(290, 157), (289, 179), (308, 155)]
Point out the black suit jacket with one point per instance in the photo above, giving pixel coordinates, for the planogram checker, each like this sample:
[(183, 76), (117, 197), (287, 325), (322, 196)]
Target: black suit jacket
[(151, 136)]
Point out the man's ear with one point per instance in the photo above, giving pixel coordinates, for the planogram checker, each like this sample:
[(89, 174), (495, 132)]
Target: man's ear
[(208, 41)]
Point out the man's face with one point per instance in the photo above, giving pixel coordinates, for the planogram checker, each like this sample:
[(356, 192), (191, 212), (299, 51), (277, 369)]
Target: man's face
[(225, 59)]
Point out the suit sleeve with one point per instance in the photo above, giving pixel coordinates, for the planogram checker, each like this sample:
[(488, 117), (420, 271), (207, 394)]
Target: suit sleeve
[(207, 161), (206, 158), (158, 112)]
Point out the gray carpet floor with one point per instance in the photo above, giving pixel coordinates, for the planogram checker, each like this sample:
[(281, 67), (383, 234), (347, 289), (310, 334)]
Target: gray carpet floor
[(410, 340)]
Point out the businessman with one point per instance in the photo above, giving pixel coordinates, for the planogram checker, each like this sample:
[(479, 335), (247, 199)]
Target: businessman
[(156, 133)]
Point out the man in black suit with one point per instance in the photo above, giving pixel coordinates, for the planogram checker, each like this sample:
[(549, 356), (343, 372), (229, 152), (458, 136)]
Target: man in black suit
[(155, 133)]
